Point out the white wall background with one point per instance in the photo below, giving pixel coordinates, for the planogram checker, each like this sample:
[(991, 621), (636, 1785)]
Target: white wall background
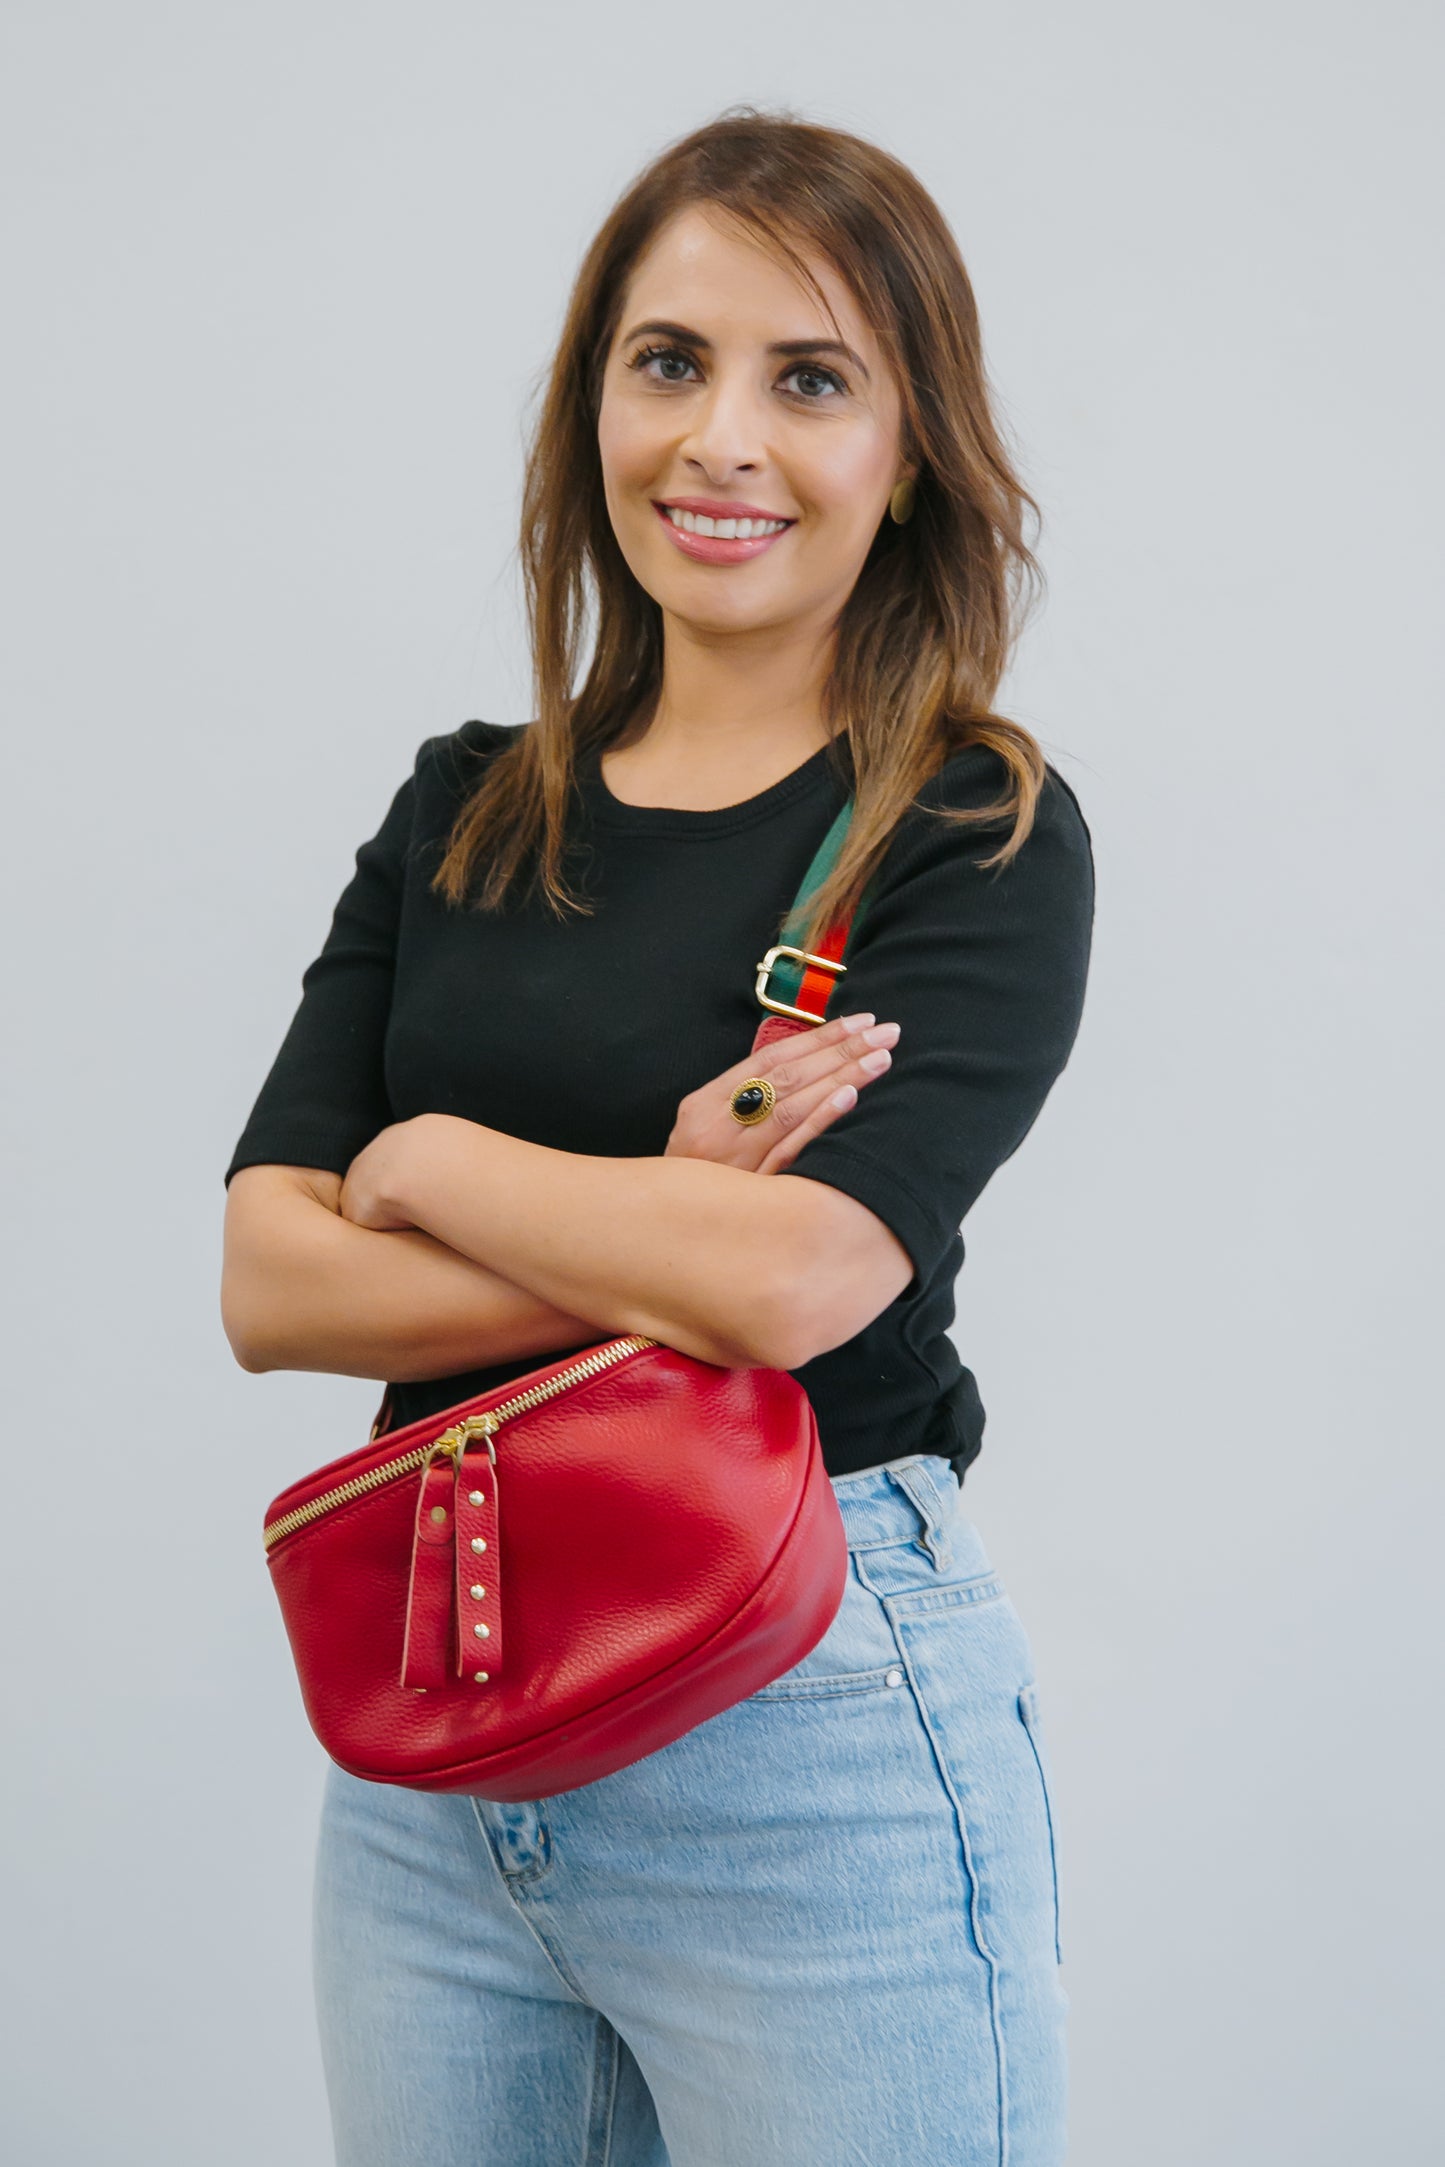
[(279, 280)]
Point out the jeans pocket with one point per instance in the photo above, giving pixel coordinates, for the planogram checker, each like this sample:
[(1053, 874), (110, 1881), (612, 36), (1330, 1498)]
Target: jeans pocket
[(1028, 1705), (857, 1654)]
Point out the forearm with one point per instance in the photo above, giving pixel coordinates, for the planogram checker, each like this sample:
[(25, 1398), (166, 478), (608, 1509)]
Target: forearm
[(305, 1289), (710, 1259)]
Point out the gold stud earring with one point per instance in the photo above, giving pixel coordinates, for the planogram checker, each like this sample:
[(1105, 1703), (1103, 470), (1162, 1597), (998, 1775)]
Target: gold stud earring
[(900, 504)]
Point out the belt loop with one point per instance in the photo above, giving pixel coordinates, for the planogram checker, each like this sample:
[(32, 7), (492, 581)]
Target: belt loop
[(918, 1486)]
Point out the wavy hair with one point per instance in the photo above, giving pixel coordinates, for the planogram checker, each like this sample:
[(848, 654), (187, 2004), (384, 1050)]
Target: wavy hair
[(925, 635)]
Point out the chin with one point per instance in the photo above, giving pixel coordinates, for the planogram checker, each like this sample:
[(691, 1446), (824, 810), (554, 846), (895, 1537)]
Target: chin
[(707, 613)]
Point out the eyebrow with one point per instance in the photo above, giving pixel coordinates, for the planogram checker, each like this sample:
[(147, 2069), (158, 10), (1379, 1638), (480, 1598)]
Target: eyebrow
[(787, 348)]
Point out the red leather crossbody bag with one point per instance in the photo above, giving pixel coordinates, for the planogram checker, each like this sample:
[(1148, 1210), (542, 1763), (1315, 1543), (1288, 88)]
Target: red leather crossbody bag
[(539, 1585)]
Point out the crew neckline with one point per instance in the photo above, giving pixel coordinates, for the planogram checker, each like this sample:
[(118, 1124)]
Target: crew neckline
[(818, 769)]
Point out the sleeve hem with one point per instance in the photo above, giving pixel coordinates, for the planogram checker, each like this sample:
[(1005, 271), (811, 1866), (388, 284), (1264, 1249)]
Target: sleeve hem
[(885, 1194), (332, 1156)]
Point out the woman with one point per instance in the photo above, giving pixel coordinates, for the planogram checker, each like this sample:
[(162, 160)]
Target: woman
[(823, 1925)]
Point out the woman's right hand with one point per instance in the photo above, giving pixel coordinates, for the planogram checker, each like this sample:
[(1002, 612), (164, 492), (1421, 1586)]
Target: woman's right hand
[(816, 1075)]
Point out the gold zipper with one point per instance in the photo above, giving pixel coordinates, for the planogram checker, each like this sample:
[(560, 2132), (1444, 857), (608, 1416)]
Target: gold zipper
[(455, 1440)]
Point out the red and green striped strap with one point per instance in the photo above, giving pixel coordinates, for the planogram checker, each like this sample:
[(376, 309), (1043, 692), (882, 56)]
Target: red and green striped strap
[(802, 985)]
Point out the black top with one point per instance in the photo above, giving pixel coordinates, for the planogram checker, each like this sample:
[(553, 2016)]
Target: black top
[(584, 1033)]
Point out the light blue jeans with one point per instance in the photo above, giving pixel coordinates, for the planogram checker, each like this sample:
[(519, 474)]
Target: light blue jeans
[(819, 1930)]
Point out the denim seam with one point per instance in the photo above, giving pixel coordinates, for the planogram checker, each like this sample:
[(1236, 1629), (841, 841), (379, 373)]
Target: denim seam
[(821, 1688), (1028, 1710), (890, 1542), (980, 1940), (918, 1602), (554, 1958), (986, 1587), (513, 1885), (601, 2120)]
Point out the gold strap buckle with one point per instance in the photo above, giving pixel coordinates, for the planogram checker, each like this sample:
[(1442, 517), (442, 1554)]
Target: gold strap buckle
[(799, 955)]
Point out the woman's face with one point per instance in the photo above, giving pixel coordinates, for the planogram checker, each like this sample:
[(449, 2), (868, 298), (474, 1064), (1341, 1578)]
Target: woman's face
[(727, 395)]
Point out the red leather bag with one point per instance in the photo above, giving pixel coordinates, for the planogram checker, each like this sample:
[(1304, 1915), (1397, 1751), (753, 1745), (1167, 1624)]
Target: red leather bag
[(539, 1585)]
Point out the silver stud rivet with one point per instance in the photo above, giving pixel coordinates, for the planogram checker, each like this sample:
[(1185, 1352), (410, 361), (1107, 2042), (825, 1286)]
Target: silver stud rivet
[(483, 1632), (476, 1497), (478, 1591), (894, 1677), (479, 1542), (481, 1676)]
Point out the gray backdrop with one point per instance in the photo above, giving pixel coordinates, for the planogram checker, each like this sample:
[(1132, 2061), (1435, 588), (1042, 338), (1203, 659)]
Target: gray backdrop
[(280, 282)]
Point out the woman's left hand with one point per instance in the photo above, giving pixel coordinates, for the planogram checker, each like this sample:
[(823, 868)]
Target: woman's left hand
[(375, 1181), (815, 1075)]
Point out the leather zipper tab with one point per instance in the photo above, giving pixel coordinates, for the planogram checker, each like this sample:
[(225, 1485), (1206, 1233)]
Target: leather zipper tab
[(478, 1564), (427, 1649)]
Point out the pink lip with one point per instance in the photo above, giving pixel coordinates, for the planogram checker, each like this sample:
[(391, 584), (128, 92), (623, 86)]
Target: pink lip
[(718, 508), (713, 548)]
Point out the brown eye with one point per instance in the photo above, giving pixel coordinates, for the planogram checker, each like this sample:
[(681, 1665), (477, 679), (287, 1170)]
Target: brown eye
[(661, 354), (815, 373)]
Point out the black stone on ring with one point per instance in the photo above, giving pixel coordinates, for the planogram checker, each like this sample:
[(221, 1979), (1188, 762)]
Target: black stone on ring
[(752, 1101)]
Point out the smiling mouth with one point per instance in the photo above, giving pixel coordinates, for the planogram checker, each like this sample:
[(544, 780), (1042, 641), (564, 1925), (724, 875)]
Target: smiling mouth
[(724, 530), (707, 538)]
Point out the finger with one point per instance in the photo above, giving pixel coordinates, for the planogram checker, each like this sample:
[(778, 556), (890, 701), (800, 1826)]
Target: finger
[(784, 1052), (787, 1120), (792, 1108), (789, 1114), (802, 1064), (848, 1060)]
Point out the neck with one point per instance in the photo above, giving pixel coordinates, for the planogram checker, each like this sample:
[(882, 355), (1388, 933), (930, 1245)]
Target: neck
[(732, 716)]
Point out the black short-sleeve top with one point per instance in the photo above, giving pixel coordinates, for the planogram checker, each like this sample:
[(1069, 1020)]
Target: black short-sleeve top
[(583, 1033)]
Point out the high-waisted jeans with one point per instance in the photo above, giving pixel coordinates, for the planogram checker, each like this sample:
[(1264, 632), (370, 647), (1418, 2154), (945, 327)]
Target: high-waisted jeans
[(819, 1930)]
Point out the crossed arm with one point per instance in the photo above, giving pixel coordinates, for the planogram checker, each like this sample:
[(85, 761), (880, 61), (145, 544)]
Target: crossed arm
[(449, 1245)]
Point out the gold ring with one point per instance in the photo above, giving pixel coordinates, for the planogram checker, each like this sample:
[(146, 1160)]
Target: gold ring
[(752, 1101)]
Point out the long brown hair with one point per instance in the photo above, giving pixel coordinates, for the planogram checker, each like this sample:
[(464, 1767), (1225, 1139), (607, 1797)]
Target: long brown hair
[(925, 635)]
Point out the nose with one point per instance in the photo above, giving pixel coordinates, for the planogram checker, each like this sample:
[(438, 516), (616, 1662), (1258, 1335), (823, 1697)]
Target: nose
[(725, 434)]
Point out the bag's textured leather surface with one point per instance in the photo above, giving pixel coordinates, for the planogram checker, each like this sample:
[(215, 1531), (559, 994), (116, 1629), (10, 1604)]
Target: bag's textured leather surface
[(661, 1539)]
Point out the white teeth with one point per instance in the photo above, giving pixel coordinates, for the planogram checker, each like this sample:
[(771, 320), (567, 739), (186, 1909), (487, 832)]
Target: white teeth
[(725, 530)]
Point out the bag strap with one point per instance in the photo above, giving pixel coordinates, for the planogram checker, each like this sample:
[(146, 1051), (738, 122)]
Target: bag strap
[(796, 982)]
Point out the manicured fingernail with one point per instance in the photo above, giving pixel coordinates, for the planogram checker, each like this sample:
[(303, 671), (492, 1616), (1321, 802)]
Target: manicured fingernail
[(843, 1099), (884, 1034), (855, 1023), (873, 1064)]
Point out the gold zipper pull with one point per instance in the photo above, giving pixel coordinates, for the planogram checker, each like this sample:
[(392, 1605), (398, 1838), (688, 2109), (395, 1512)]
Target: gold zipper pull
[(485, 1426)]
